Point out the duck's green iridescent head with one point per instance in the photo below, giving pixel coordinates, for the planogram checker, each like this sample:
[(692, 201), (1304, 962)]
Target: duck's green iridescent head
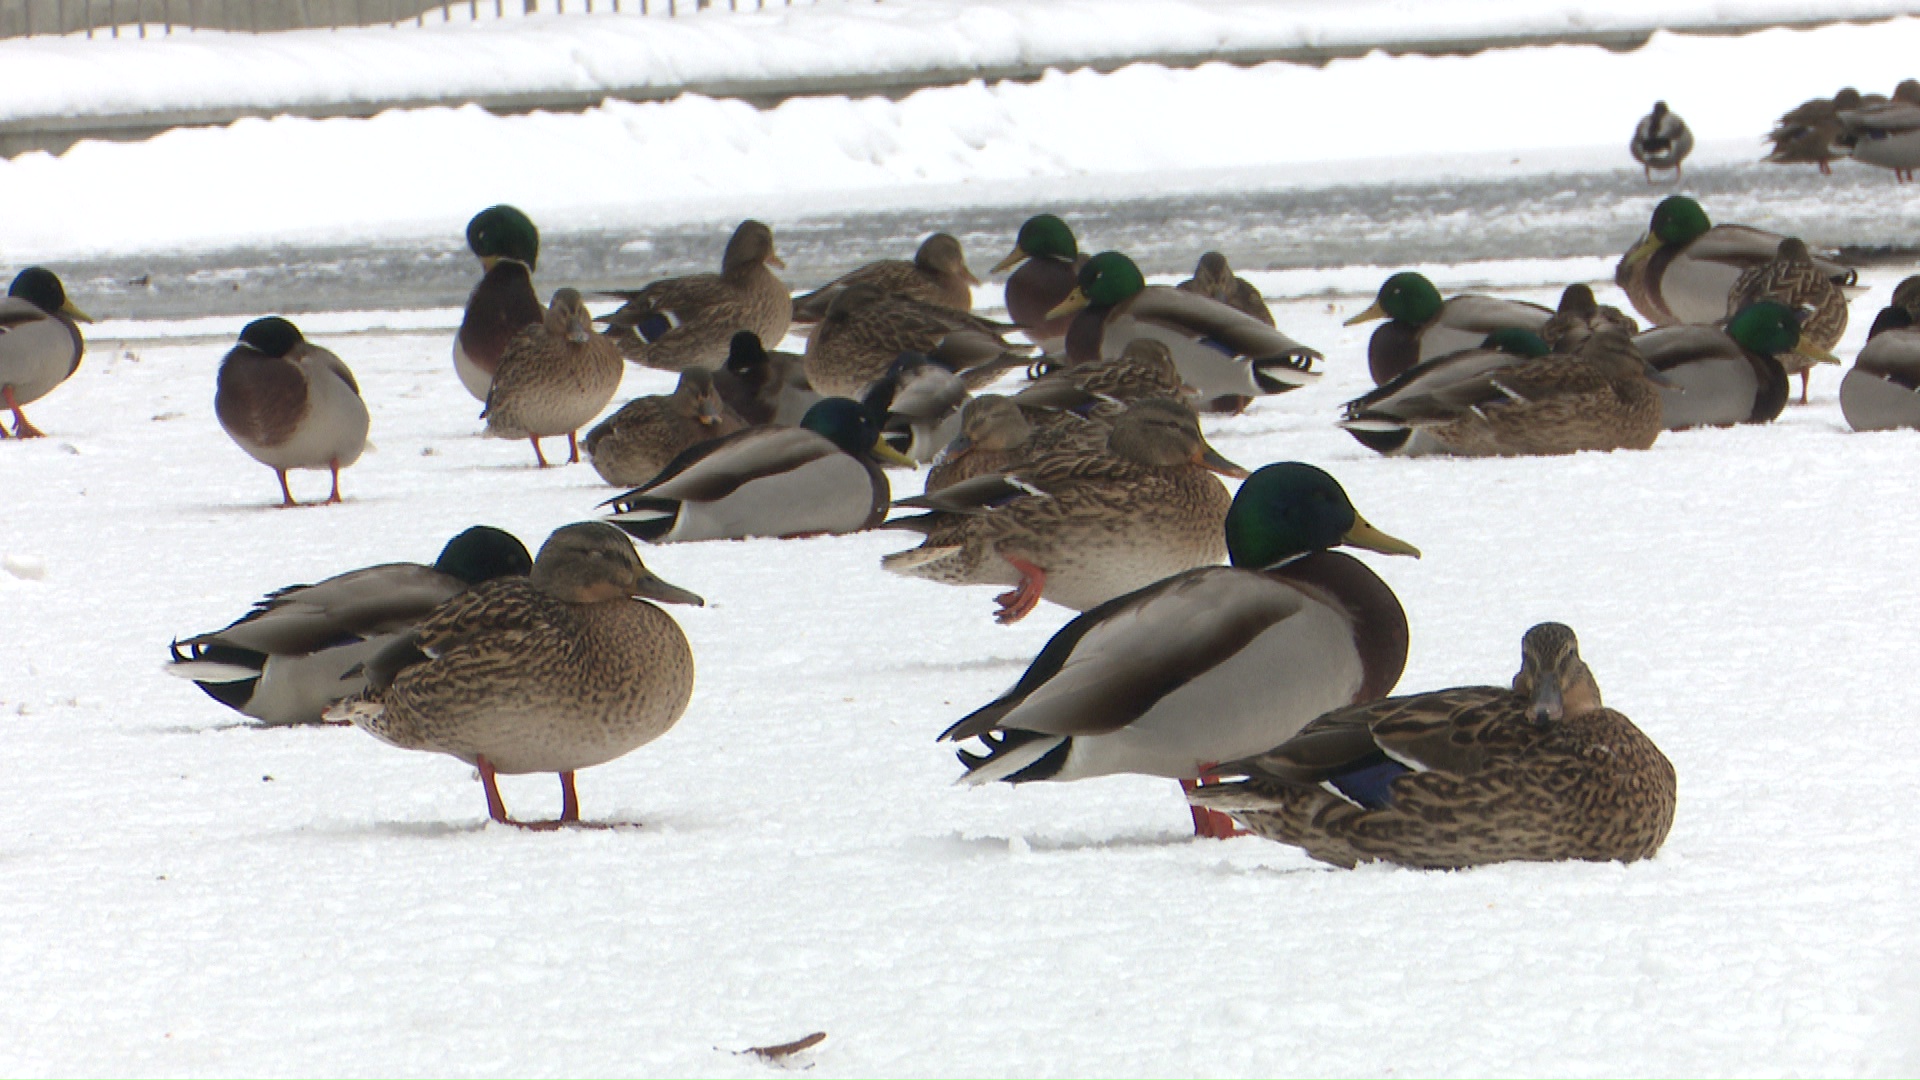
[(1291, 509), (1678, 220), (483, 553), (1042, 234), (1772, 329), (853, 428), (1405, 297), (1107, 280), (503, 232), (1517, 341), (273, 336), (41, 287)]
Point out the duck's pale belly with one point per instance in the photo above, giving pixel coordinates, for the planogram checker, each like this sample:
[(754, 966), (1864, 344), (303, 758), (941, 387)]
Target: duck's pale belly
[(476, 379), (1900, 151), (333, 430), (1872, 402), (35, 357)]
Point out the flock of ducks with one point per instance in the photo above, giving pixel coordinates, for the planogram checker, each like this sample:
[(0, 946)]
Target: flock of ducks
[(1221, 640), (1873, 129)]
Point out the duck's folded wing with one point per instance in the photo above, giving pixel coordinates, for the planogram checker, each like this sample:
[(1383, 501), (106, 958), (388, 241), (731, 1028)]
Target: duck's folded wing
[(17, 312), (1209, 318), (667, 294), (1108, 667), (975, 495), (716, 468), (1422, 732), (305, 618), (1743, 247), (1433, 378), (1892, 118)]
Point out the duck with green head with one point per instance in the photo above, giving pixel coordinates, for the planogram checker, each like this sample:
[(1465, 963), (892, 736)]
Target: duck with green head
[(1735, 373), (503, 303), (40, 343), (821, 477), (1421, 325), (1226, 356), (1882, 389), (1435, 379), (1175, 678), (1685, 268), (1048, 258), (290, 404)]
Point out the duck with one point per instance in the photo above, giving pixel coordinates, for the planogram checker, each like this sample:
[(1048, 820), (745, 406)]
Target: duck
[(865, 329), (1079, 528), (1603, 397), (1685, 268), (40, 343), (1539, 772), (554, 379), (1578, 316), (936, 275), (1661, 141), (919, 402), (1792, 279), (1504, 348), (994, 431), (677, 323), (1888, 134), (1808, 133), (290, 404), (822, 477), (1881, 391), (287, 660), (1143, 369), (503, 303), (763, 387), (1227, 356), (1174, 678), (1045, 261), (1214, 278), (1735, 373), (637, 441), (559, 671), (1421, 326)]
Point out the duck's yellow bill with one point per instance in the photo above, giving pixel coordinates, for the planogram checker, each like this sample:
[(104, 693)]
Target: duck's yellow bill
[(1015, 258), (893, 457), (74, 313), (1815, 353), (1363, 535), (1075, 300), (1372, 313), (1643, 250)]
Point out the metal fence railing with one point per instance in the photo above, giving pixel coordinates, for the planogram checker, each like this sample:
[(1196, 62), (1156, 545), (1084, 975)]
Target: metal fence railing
[(30, 18)]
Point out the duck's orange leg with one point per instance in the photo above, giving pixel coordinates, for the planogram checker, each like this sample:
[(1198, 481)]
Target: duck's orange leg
[(1020, 602), (1210, 824), (573, 448), (286, 493), (22, 427), (537, 452), (334, 465)]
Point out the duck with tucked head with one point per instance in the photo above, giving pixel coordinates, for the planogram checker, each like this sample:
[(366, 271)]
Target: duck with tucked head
[(1045, 261), (40, 343), (290, 404), (1214, 278), (637, 441), (1174, 678), (503, 303), (1887, 134), (763, 387), (866, 329), (1685, 268), (1881, 391), (677, 323), (1661, 141), (1541, 772), (936, 275), (554, 379), (1421, 326), (1809, 133)]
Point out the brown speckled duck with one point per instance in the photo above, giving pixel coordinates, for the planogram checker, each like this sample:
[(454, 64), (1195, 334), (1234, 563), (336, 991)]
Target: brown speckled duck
[(503, 303), (637, 441), (1214, 279), (1541, 772), (1579, 315), (290, 404), (554, 379), (40, 345), (678, 323), (937, 275), (866, 329), (558, 672), (1807, 133), (1792, 280)]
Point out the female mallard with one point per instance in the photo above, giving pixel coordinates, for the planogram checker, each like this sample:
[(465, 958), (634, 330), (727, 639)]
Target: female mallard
[(1049, 261), (636, 442), (1685, 268), (40, 345), (1215, 280), (1882, 389), (289, 658), (1433, 379), (1730, 374), (763, 387), (820, 477), (865, 329), (1188, 672), (678, 323), (1809, 132), (1226, 356), (1080, 528), (937, 275), (1661, 141), (1887, 135), (994, 432), (1421, 326), (290, 404), (504, 303), (557, 672), (555, 378), (1464, 777), (1601, 398), (1144, 369), (1791, 279), (1578, 316)]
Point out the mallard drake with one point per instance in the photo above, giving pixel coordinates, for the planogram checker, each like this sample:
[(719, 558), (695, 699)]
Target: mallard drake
[(1792, 279), (936, 275), (555, 378), (1174, 678), (1079, 528), (1887, 135), (820, 477), (557, 672), (290, 404), (1421, 326), (1661, 141), (763, 387), (288, 659), (1603, 397), (1578, 316), (866, 328), (1454, 778), (1882, 389), (1735, 373), (636, 442), (40, 345), (1215, 280), (503, 303), (1226, 356), (1807, 134), (1436, 378), (1685, 267), (919, 402), (1049, 260), (678, 323)]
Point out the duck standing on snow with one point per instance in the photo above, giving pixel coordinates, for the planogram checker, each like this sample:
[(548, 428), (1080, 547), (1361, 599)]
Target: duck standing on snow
[(1421, 326), (1174, 678), (1661, 141), (290, 404), (636, 442), (1809, 133), (1685, 267), (1215, 280), (40, 345), (288, 659), (554, 379), (937, 275), (557, 672), (1882, 389), (1046, 262), (1792, 279), (503, 303), (1887, 134), (677, 323), (1454, 778)]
